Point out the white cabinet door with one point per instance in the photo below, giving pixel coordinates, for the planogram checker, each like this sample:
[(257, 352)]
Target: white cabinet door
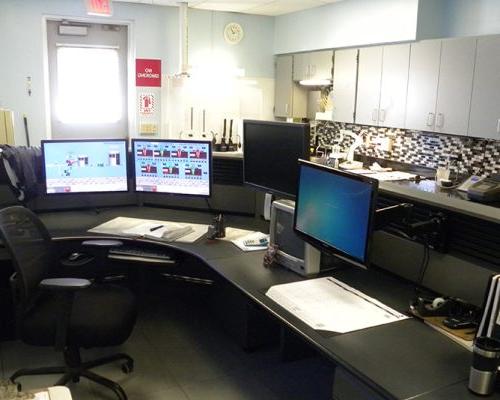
[(321, 63), (301, 67), (283, 88), (422, 85), (485, 105), (395, 65), (344, 85), (369, 78), (455, 85)]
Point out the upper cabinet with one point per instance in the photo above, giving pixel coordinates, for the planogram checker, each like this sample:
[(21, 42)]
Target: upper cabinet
[(289, 100), (382, 85), (344, 85), (485, 105), (313, 66), (454, 92), (422, 85), (440, 85)]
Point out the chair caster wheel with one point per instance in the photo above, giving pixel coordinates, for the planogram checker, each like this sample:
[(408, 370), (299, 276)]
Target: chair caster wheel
[(128, 367), (19, 387)]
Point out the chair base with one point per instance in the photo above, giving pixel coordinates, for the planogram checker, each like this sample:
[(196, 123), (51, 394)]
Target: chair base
[(75, 369)]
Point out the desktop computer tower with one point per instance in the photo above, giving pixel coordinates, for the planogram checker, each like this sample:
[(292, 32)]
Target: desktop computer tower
[(293, 252)]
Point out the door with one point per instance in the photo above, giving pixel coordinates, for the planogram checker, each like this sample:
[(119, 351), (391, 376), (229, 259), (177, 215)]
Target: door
[(344, 85), (422, 85), (393, 91), (455, 85), (369, 78), (88, 80), (283, 86), (485, 106)]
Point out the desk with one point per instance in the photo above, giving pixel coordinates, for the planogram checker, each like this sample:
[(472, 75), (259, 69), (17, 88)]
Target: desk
[(402, 360)]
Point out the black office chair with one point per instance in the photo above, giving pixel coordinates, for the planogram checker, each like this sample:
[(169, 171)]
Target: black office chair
[(66, 313)]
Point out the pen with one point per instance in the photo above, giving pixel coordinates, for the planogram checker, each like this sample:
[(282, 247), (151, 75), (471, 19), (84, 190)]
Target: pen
[(154, 228)]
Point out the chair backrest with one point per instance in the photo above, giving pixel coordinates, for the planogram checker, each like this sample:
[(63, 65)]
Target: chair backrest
[(30, 247)]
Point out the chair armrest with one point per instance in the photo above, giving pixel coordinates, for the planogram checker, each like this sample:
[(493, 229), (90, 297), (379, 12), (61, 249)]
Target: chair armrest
[(64, 284)]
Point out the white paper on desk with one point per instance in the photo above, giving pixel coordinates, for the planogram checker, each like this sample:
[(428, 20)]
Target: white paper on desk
[(137, 227), (392, 176), (331, 305), (238, 236)]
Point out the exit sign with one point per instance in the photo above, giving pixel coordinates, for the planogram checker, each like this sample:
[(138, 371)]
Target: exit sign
[(99, 7)]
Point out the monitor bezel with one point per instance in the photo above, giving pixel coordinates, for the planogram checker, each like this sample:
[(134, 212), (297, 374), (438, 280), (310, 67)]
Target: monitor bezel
[(210, 166), (44, 172), (326, 247), (306, 145)]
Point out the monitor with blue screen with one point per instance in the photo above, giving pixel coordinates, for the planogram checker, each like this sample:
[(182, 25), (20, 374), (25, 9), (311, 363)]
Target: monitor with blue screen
[(334, 211), (173, 166), (85, 166)]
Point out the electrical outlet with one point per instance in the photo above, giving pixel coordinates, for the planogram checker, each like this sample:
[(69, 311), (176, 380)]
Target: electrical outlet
[(384, 144)]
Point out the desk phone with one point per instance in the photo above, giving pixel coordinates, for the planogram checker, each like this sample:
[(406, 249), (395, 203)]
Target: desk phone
[(485, 190)]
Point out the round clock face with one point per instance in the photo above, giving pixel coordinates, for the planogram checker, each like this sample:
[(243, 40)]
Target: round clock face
[(233, 33)]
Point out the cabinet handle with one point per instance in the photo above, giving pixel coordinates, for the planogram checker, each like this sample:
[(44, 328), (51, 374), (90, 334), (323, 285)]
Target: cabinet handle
[(440, 120), (374, 115), (498, 126), (430, 119), (313, 72), (286, 109), (382, 115), (308, 75)]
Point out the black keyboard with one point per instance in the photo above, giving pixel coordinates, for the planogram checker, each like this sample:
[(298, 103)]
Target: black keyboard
[(138, 254)]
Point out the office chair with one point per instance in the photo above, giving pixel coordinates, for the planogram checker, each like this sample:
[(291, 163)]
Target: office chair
[(66, 313)]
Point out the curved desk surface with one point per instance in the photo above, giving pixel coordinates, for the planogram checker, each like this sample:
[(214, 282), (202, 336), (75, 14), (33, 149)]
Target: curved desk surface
[(401, 360)]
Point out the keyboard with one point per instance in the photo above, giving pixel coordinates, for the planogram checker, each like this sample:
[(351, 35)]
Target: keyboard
[(141, 255)]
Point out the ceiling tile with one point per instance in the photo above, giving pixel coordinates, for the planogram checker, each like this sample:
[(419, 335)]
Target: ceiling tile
[(279, 7)]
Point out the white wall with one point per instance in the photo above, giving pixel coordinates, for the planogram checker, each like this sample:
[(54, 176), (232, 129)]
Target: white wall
[(156, 36), (345, 24)]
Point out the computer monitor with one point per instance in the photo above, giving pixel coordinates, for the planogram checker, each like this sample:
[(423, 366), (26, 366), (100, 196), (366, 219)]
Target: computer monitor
[(334, 211), (270, 154), (173, 166), (85, 166)]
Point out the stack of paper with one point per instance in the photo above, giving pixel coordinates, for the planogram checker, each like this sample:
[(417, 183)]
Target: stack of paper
[(152, 229), (490, 322), (331, 305)]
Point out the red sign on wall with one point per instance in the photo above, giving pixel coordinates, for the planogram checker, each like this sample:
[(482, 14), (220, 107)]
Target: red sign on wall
[(147, 73), (98, 7)]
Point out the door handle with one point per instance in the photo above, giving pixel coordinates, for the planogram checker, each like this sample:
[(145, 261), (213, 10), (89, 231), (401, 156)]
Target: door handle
[(430, 119), (374, 115)]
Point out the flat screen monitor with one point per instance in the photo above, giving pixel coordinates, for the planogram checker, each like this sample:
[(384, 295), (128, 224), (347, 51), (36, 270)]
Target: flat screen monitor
[(85, 166), (334, 211), (270, 154), (173, 166)]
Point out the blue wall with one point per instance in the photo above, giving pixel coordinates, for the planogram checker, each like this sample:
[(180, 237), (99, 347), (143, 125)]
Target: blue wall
[(156, 36), (345, 24)]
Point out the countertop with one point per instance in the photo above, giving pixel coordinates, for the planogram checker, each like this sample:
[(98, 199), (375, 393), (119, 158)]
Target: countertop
[(426, 191)]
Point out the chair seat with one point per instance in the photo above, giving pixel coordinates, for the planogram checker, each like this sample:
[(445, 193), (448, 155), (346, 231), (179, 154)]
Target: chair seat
[(102, 315)]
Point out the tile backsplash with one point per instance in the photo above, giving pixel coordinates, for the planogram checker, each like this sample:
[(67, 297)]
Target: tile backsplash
[(465, 155)]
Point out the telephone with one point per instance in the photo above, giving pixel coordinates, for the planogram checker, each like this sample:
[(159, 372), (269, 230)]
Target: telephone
[(485, 190), (464, 186)]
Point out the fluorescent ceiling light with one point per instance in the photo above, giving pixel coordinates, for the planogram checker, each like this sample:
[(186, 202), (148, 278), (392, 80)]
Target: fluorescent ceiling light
[(316, 82)]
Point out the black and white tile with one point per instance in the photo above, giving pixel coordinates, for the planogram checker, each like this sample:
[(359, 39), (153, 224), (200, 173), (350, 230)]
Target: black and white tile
[(465, 155)]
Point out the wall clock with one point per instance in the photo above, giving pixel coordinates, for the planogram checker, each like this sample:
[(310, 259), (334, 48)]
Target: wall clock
[(233, 33)]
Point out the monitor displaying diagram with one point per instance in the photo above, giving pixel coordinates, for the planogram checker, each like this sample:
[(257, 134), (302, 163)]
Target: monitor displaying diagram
[(170, 166), (83, 166)]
